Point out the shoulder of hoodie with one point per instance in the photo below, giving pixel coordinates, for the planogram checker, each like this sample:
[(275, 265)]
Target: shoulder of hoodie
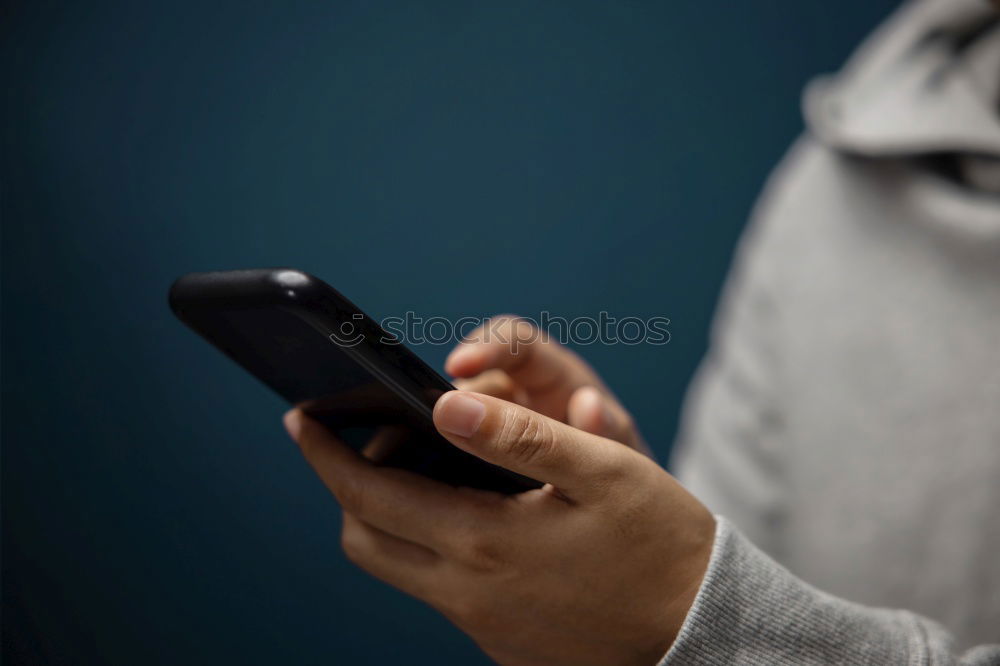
[(899, 97)]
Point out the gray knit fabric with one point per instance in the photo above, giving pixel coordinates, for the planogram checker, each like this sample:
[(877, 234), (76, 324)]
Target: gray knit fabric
[(752, 611), (846, 421)]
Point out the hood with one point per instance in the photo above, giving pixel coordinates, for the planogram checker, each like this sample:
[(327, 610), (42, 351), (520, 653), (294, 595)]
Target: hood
[(927, 81)]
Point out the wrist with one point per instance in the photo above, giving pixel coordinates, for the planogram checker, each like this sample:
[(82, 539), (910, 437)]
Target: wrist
[(687, 576)]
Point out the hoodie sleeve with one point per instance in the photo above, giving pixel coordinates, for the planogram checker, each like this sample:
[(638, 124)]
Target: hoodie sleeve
[(751, 610)]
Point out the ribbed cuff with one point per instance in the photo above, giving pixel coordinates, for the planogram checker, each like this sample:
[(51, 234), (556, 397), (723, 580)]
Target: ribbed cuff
[(751, 610)]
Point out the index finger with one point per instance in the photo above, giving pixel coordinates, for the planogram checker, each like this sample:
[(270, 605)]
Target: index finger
[(401, 503), (547, 370)]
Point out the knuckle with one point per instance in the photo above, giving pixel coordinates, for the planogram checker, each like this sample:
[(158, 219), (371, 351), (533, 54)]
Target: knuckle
[(525, 437), (522, 328), (482, 553), (496, 330), (524, 334), (514, 331), (614, 473)]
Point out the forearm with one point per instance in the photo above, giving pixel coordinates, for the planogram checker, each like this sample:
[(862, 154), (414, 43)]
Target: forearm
[(751, 610)]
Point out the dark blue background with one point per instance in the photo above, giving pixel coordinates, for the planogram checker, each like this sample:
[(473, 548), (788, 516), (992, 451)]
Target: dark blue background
[(448, 158)]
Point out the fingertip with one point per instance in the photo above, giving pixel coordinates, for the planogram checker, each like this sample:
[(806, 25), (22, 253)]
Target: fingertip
[(458, 413), (465, 360), (293, 422), (589, 411)]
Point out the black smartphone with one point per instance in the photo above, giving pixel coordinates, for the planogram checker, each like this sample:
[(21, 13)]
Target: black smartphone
[(319, 351)]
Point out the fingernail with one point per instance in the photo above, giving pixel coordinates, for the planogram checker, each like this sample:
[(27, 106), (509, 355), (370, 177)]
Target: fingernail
[(459, 414), (461, 354), (293, 423)]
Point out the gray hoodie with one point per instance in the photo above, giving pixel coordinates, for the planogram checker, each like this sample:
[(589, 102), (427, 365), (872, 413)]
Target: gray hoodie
[(845, 426)]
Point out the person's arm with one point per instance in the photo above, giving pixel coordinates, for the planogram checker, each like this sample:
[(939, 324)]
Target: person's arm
[(751, 610)]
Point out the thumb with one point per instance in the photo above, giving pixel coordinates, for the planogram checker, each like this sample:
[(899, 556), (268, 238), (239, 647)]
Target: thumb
[(579, 464)]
